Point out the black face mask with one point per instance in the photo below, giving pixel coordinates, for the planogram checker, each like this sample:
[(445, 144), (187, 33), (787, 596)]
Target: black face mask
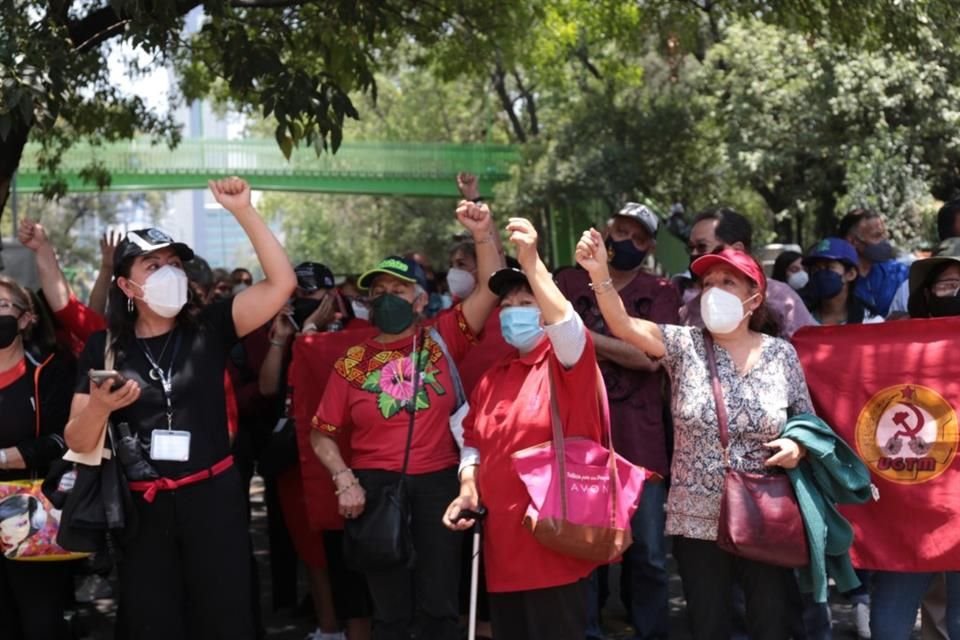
[(302, 308), (9, 330), (944, 307), (624, 255)]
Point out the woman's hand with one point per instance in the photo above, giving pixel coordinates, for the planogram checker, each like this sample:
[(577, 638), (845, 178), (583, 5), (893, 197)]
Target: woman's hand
[(282, 327), (591, 254), (233, 194), (468, 185), (108, 246), (524, 237), (324, 314), (789, 453), (476, 218), (465, 501), (109, 401), (353, 500), (31, 234)]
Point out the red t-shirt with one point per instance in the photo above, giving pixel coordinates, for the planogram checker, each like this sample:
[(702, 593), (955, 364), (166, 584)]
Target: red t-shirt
[(370, 387), (82, 322), (491, 349), (509, 412)]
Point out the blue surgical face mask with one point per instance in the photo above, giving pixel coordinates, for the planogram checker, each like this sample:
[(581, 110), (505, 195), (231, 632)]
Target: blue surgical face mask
[(825, 284), (520, 327)]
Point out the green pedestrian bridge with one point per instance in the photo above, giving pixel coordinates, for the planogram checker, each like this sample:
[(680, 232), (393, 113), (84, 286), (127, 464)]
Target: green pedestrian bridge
[(359, 168), (368, 168)]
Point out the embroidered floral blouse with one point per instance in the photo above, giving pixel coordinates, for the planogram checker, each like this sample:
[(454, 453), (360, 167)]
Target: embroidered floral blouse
[(758, 405)]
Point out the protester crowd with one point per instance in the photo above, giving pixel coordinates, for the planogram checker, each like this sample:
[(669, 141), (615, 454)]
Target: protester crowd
[(428, 384)]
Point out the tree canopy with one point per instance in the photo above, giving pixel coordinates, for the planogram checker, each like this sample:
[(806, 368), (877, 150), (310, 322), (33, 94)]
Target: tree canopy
[(792, 110)]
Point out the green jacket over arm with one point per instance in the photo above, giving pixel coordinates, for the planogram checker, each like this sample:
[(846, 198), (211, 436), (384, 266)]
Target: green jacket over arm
[(830, 474)]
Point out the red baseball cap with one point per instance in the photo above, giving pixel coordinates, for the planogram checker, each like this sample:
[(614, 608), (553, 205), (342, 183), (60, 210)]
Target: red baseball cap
[(736, 260)]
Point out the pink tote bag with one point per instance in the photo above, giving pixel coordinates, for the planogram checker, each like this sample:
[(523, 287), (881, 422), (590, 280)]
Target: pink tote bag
[(582, 493)]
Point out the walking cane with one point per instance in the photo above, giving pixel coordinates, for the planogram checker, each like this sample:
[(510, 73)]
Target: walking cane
[(477, 516)]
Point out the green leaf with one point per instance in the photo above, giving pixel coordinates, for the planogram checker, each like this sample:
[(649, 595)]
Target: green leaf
[(423, 401), (286, 146), (372, 383), (388, 405)]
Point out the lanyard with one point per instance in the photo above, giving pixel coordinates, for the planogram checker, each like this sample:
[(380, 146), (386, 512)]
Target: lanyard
[(165, 378)]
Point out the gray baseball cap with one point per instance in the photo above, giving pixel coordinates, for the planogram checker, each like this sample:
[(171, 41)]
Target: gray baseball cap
[(641, 214)]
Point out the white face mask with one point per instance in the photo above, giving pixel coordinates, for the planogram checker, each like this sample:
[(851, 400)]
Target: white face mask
[(461, 283), (722, 311), (360, 310), (798, 280), (165, 291)]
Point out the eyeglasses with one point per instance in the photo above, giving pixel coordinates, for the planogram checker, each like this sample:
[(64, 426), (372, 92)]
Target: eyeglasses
[(946, 288), (7, 307)]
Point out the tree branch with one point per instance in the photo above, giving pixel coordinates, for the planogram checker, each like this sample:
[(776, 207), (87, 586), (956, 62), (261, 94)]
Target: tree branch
[(529, 101), (499, 85)]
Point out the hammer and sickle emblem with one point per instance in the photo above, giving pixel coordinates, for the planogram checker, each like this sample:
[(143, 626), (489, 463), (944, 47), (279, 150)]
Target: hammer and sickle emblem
[(901, 419)]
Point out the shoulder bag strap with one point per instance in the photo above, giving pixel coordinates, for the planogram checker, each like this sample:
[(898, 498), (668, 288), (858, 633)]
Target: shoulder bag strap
[(417, 343), (559, 449), (458, 389), (718, 396), (603, 402), (558, 444)]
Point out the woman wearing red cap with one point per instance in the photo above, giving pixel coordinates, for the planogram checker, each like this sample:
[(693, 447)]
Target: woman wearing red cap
[(762, 385)]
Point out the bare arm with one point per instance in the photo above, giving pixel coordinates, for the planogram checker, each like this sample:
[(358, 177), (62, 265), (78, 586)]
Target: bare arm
[(553, 304), (272, 367), (256, 305), (32, 235), (101, 288), (642, 334), (480, 303), (89, 413), (350, 495)]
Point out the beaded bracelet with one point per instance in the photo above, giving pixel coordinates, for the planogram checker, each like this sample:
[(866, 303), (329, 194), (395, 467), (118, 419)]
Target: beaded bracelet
[(345, 488), (602, 287), (339, 473)]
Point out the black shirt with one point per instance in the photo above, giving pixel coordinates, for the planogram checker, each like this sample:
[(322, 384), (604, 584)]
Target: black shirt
[(18, 426), (199, 355)]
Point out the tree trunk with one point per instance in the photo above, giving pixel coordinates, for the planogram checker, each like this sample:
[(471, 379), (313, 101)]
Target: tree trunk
[(11, 150), (500, 86)]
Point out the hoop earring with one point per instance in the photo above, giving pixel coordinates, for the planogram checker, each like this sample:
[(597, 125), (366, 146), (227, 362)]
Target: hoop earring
[(129, 305)]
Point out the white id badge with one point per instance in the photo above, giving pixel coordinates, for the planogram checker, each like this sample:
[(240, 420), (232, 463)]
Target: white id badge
[(170, 445)]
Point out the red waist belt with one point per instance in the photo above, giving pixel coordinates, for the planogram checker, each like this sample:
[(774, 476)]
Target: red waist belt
[(150, 487)]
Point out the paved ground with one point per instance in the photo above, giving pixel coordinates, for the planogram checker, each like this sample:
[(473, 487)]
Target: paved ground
[(95, 621)]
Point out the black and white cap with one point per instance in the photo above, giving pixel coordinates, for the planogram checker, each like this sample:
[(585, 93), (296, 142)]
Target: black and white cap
[(140, 242)]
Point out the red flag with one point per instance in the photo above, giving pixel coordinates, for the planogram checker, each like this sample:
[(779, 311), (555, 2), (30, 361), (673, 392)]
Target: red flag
[(890, 390), (312, 364)]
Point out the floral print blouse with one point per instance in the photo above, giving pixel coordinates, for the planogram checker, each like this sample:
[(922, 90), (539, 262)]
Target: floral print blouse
[(758, 405)]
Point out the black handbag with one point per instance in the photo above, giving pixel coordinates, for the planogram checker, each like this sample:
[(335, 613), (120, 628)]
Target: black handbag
[(381, 539), (95, 501)]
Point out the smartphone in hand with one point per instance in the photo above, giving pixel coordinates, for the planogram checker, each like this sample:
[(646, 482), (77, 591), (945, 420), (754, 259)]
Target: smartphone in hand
[(100, 376)]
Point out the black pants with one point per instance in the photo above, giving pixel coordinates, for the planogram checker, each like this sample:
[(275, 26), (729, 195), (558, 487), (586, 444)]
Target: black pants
[(33, 596), (423, 600), (708, 575), (351, 597), (555, 613), (187, 572)]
